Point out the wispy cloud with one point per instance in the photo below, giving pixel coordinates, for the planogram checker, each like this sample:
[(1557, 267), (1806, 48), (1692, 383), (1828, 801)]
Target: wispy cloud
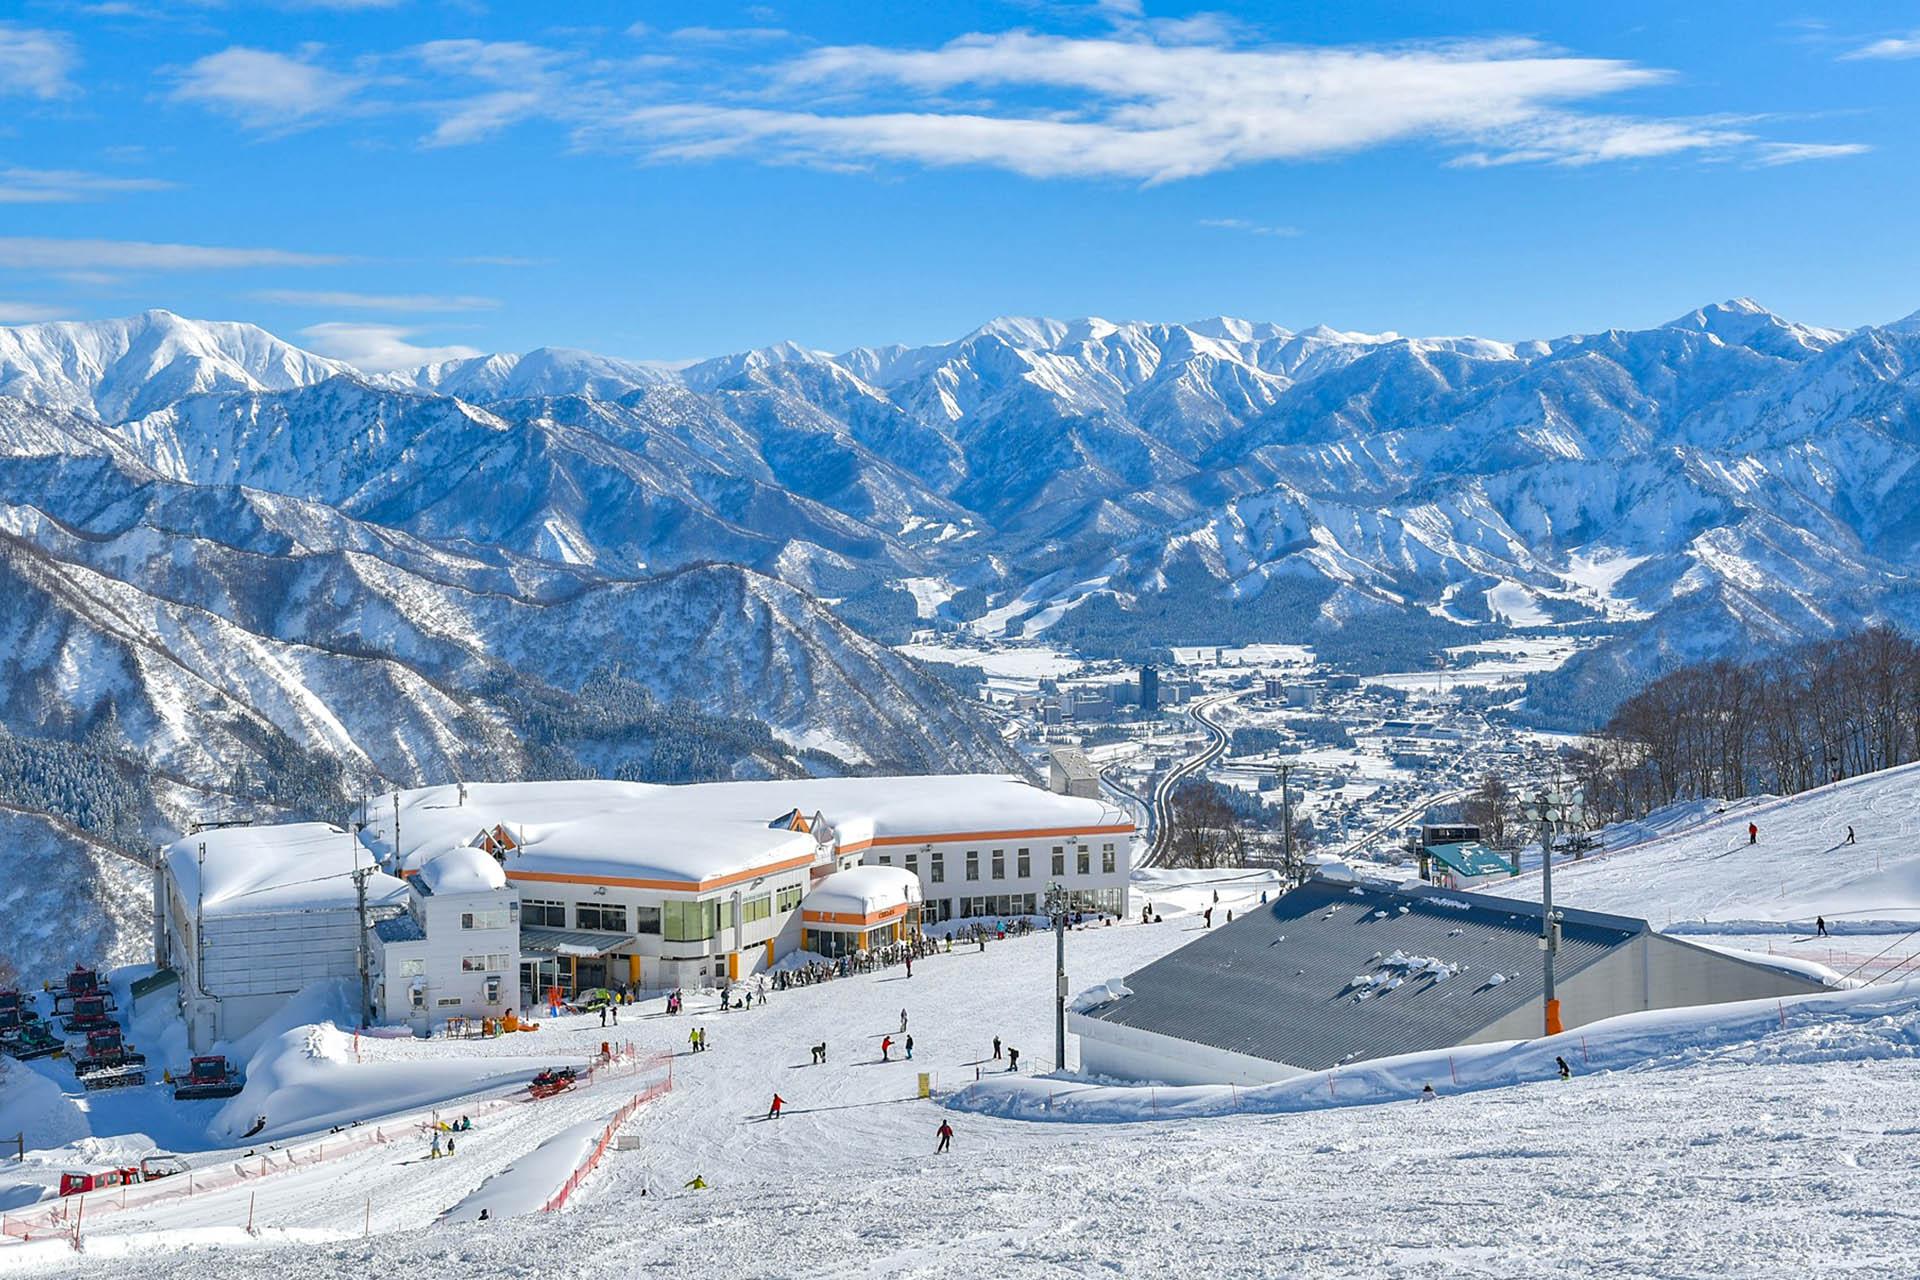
[(405, 302), (729, 35), (45, 253), (1892, 47), (63, 186), (35, 63), (1250, 227), (27, 312), (377, 348), (1774, 153), (261, 89)]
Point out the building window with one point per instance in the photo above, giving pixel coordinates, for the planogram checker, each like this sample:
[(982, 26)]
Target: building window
[(1084, 863), (1023, 864), (605, 917), (973, 864), (999, 864), (886, 859), (413, 968), (756, 909), (789, 898), (449, 1002), (1059, 861), (483, 964), (690, 921), (543, 914), (939, 868), (419, 999), (493, 989), (913, 863), (646, 920), (1106, 858), (495, 918)]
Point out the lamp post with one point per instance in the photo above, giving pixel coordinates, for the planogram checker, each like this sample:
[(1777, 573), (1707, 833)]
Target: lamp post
[(1551, 806), (1057, 908)]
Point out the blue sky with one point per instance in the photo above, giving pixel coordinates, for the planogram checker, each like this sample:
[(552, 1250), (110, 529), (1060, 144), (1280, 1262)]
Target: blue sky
[(390, 180)]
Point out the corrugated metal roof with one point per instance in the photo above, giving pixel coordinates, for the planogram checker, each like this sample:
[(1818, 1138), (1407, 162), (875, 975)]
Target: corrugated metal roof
[(400, 928), (1279, 983), (1470, 858)]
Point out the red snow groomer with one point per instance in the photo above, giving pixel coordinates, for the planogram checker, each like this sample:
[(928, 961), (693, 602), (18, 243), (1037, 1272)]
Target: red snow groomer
[(550, 1082), (15, 1009), (78, 1182), (108, 1062), (208, 1077), (89, 1013), (82, 984)]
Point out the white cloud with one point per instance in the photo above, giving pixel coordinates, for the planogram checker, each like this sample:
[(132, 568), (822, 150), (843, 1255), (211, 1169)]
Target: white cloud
[(1893, 47), (27, 312), (377, 348), (1773, 153), (1159, 109), (35, 63), (62, 186), (728, 35), (265, 90), (1250, 227), (376, 301), (46, 253)]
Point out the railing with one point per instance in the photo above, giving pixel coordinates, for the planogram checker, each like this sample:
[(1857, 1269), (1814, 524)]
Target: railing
[(587, 1166)]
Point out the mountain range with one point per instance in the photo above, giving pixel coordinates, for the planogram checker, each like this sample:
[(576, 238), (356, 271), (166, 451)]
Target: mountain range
[(270, 572)]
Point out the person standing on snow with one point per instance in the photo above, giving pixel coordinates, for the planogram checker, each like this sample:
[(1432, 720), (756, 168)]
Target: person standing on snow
[(603, 1015), (1206, 918), (996, 1048), (946, 1136), (1013, 1058), (909, 1048), (903, 1022), (886, 1047), (773, 1112), (1849, 835), (1566, 1072), (1820, 927), (435, 1153), (1753, 833), (909, 966)]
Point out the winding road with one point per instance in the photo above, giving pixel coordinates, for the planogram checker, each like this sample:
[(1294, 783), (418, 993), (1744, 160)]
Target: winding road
[(1216, 745)]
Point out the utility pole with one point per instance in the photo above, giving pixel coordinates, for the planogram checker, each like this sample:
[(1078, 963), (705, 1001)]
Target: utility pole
[(1286, 819), (396, 830), (1057, 908), (360, 875)]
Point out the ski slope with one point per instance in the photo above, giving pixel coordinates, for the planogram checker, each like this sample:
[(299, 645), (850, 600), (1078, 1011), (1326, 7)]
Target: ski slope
[(1689, 868)]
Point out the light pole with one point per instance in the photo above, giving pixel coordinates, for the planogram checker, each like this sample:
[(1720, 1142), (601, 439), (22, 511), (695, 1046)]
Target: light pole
[(1551, 806), (1057, 908)]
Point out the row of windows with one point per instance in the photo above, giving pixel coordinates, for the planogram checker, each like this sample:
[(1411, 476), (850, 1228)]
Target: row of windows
[(495, 963), (495, 918), (1022, 863)]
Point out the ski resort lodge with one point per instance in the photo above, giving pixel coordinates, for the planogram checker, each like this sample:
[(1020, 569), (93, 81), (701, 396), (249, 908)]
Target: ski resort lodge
[(629, 883), (246, 916), (1339, 971)]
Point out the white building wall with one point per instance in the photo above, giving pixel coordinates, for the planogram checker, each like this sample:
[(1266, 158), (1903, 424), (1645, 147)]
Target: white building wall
[(948, 893), (1128, 1053)]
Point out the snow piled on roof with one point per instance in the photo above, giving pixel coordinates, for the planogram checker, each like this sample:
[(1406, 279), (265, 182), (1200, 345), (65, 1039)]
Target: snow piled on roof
[(864, 891), (704, 831), (296, 866), (463, 870)]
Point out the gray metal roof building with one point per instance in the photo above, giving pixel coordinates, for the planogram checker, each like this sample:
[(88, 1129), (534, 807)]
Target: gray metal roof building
[(1338, 971)]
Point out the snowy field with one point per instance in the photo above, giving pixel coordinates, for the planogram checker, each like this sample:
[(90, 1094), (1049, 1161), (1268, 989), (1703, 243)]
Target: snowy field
[(1032, 662), (1740, 1141)]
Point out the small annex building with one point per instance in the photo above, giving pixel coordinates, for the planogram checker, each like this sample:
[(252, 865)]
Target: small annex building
[(455, 951), (250, 915), (1342, 970), (1465, 863), (860, 909)]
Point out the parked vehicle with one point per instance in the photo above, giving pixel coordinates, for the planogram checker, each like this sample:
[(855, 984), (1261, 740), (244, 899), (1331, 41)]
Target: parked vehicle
[(208, 1077), (78, 1182), (550, 1082), (108, 1062), (33, 1040), (82, 984), (89, 1013)]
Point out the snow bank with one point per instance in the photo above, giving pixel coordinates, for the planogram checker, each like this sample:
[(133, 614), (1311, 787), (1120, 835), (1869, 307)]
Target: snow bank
[(1093, 997), (528, 1183), (1869, 1023)]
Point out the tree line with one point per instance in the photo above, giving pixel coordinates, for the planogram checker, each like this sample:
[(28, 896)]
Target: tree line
[(1813, 714)]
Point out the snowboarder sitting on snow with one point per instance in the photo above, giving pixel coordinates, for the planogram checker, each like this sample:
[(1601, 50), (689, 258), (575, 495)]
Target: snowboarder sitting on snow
[(1428, 1095), (1566, 1072), (946, 1136), (695, 1183)]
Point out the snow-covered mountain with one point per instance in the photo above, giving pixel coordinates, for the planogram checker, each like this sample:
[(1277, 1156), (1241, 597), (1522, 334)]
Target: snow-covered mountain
[(247, 549)]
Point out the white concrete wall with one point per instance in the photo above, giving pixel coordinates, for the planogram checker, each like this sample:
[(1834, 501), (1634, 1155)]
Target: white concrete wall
[(954, 886), (1128, 1053)]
